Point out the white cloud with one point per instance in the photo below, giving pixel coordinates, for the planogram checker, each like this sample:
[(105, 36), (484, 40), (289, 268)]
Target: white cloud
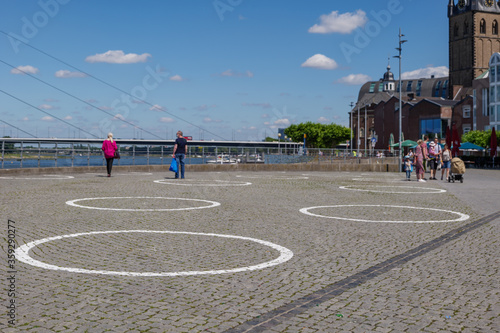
[(118, 57), (320, 61), (157, 107), (68, 118), (46, 107), (323, 120), (232, 73), (423, 73), (167, 120), (354, 79), (25, 119), (47, 118), (65, 74), (282, 122), (24, 70), (119, 116), (343, 23), (210, 120), (176, 78)]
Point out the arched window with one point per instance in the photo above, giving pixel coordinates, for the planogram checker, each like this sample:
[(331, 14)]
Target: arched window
[(495, 27), (455, 30), (466, 27), (482, 27)]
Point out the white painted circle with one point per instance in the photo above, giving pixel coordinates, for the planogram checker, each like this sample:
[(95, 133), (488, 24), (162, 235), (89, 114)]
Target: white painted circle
[(194, 182), (22, 254), (73, 203), (431, 190), (51, 177), (375, 180), (461, 217), (274, 177)]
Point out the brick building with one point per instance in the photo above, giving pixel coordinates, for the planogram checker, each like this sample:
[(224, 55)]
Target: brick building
[(469, 98)]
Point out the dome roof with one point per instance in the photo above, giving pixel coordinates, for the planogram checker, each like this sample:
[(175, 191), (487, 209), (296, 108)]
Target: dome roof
[(388, 76)]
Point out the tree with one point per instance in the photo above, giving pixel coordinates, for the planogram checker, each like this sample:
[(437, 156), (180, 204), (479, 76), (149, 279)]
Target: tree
[(269, 139), (480, 138), (8, 146), (318, 135)]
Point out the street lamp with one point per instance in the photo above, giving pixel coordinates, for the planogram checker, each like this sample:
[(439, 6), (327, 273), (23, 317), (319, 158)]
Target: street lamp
[(279, 143), (400, 49), (357, 133), (285, 143), (364, 136), (352, 129)]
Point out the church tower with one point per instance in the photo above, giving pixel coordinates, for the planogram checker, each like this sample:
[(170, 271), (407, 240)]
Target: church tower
[(474, 37)]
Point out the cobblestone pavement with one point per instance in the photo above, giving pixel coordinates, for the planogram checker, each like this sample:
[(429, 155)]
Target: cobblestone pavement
[(453, 286)]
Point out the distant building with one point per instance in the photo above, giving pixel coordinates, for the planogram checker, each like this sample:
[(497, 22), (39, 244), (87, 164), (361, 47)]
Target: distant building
[(469, 98)]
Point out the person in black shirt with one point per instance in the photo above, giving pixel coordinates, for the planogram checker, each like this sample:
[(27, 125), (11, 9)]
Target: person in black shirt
[(180, 153)]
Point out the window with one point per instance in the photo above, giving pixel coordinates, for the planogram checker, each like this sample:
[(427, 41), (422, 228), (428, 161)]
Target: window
[(484, 102), (466, 111), (492, 73), (438, 86), (419, 87), (444, 92), (492, 94), (455, 30), (372, 87), (482, 27), (381, 87), (397, 90), (466, 27), (495, 27), (432, 127), (492, 114), (408, 87), (466, 128)]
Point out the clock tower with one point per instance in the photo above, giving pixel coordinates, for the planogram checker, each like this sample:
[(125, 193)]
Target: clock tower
[(474, 37)]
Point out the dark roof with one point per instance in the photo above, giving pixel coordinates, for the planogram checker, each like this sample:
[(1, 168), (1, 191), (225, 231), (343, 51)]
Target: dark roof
[(439, 101), (428, 88)]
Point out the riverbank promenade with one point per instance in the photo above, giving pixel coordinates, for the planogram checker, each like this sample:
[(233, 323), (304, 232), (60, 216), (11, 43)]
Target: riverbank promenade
[(245, 251)]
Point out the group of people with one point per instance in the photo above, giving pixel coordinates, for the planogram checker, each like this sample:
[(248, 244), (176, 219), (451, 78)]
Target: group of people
[(432, 153), (111, 152)]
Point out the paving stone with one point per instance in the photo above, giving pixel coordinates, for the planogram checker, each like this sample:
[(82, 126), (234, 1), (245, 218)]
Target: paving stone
[(460, 278)]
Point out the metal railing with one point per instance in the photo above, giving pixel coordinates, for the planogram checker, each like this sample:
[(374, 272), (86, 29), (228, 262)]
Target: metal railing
[(39, 154)]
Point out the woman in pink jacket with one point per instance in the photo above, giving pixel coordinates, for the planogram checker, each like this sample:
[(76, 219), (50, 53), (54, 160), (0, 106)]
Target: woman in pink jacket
[(109, 148)]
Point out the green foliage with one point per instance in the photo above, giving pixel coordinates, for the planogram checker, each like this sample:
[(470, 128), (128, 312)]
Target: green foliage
[(318, 135), (480, 138), (269, 139), (7, 145)]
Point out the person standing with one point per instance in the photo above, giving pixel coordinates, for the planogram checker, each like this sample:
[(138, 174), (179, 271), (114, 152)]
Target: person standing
[(109, 148), (180, 153), (408, 167), (419, 161), (446, 158), (425, 151)]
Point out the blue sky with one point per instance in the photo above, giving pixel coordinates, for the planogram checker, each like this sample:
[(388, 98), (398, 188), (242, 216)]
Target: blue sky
[(223, 69)]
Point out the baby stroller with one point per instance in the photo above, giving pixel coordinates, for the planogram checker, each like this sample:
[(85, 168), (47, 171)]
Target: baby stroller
[(457, 170)]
